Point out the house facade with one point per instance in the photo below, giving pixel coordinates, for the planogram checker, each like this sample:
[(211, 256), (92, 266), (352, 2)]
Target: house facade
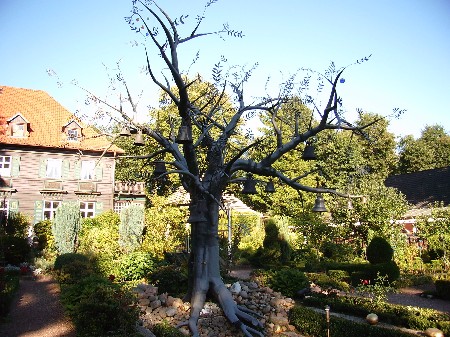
[(48, 156)]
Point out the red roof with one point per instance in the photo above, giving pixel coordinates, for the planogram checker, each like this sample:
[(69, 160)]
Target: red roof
[(47, 119)]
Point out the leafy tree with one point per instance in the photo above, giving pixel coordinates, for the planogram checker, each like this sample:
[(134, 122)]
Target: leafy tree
[(216, 150), (431, 150), (66, 227)]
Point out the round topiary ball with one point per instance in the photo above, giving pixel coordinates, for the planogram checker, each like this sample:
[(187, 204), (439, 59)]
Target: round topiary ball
[(379, 251)]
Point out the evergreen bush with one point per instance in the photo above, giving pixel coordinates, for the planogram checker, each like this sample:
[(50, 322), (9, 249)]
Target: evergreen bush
[(131, 227), (135, 266), (66, 226), (164, 329), (379, 251), (170, 279), (443, 288)]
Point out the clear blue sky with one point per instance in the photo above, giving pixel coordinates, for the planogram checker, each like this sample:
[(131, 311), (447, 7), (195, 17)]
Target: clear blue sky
[(409, 41)]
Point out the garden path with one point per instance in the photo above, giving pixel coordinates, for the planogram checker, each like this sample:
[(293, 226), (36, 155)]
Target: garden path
[(36, 311)]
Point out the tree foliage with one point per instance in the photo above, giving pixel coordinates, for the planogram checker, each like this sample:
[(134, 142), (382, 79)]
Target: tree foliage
[(131, 227), (66, 227), (431, 150)]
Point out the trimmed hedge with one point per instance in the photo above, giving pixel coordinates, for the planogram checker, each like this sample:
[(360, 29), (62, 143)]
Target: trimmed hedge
[(313, 323), (443, 289), (399, 315)]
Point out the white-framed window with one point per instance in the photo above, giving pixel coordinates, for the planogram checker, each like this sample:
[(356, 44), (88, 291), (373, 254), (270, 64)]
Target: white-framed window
[(87, 209), (72, 135), (5, 166), (4, 209), (54, 168), (87, 170), (18, 130), (120, 205), (49, 209)]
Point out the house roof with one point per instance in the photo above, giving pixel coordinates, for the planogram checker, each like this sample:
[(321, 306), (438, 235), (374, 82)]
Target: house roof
[(424, 187), (46, 118)]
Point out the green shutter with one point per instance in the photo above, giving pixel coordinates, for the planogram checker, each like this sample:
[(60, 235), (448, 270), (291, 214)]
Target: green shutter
[(15, 167), (98, 208), (43, 168), (38, 208), (14, 206), (77, 169), (99, 172), (65, 169)]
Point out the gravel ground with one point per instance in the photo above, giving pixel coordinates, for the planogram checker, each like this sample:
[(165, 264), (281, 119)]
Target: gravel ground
[(37, 312)]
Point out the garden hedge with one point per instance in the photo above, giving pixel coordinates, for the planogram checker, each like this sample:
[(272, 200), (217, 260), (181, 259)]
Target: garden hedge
[(312, 323), (443, 289)]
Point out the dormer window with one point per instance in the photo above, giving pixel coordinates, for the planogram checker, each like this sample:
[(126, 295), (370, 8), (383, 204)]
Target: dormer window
[(72, 135), (18, 126), (72, 131)]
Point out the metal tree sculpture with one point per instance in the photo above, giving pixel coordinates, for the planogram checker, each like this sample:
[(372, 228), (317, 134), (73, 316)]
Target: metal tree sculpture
[(204, 130)]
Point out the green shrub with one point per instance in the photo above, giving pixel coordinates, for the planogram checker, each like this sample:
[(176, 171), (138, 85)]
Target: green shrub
[(170, 279), (443, 288), (68, 258), (43, 232), (394, 314), (135, 266), (66, 226), (100, 308), (164, 329), (379, 251), (9, 283), (338, 275), (286, 281), (327, 282), (131, 227), (313, 323), (370, 272), (16, 250)]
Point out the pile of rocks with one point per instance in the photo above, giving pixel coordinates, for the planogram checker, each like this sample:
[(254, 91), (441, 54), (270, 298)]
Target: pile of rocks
[(272, 306)]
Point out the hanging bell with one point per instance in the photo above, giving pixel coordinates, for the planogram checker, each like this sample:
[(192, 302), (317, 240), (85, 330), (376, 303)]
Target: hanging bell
[(183, 135), (249, 186), (196, 215), (309, 152), (139, 139), (160, 168), (319, 205), (125, 132), (270, 187)]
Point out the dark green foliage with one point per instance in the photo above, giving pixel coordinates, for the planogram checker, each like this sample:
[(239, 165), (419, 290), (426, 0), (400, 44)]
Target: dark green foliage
[(135, 266), (275, 250), (443, 288), (325, 281), (14, 247), (16, 250), (379, 251), (43, 232), (338, 275), (338, 252), (369, 272), (9, 283), (100, 308), (69, 258), (164, 329), (394, 314), (286, 281), (313, 323), (170, 279)]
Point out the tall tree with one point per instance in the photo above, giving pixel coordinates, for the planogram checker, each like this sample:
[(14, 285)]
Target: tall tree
[(210, 153), (431, 150)]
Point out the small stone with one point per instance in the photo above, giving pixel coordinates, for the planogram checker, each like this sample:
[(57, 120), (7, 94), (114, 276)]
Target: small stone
[(144, 302), (434, 332), (155, 304), (171, 311)]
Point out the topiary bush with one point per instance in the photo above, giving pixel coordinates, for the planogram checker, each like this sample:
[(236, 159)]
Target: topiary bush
[(131, 227), (72, 267), (443, 288), (66, 226), (135, 266), (44, 236), (379, 251)]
